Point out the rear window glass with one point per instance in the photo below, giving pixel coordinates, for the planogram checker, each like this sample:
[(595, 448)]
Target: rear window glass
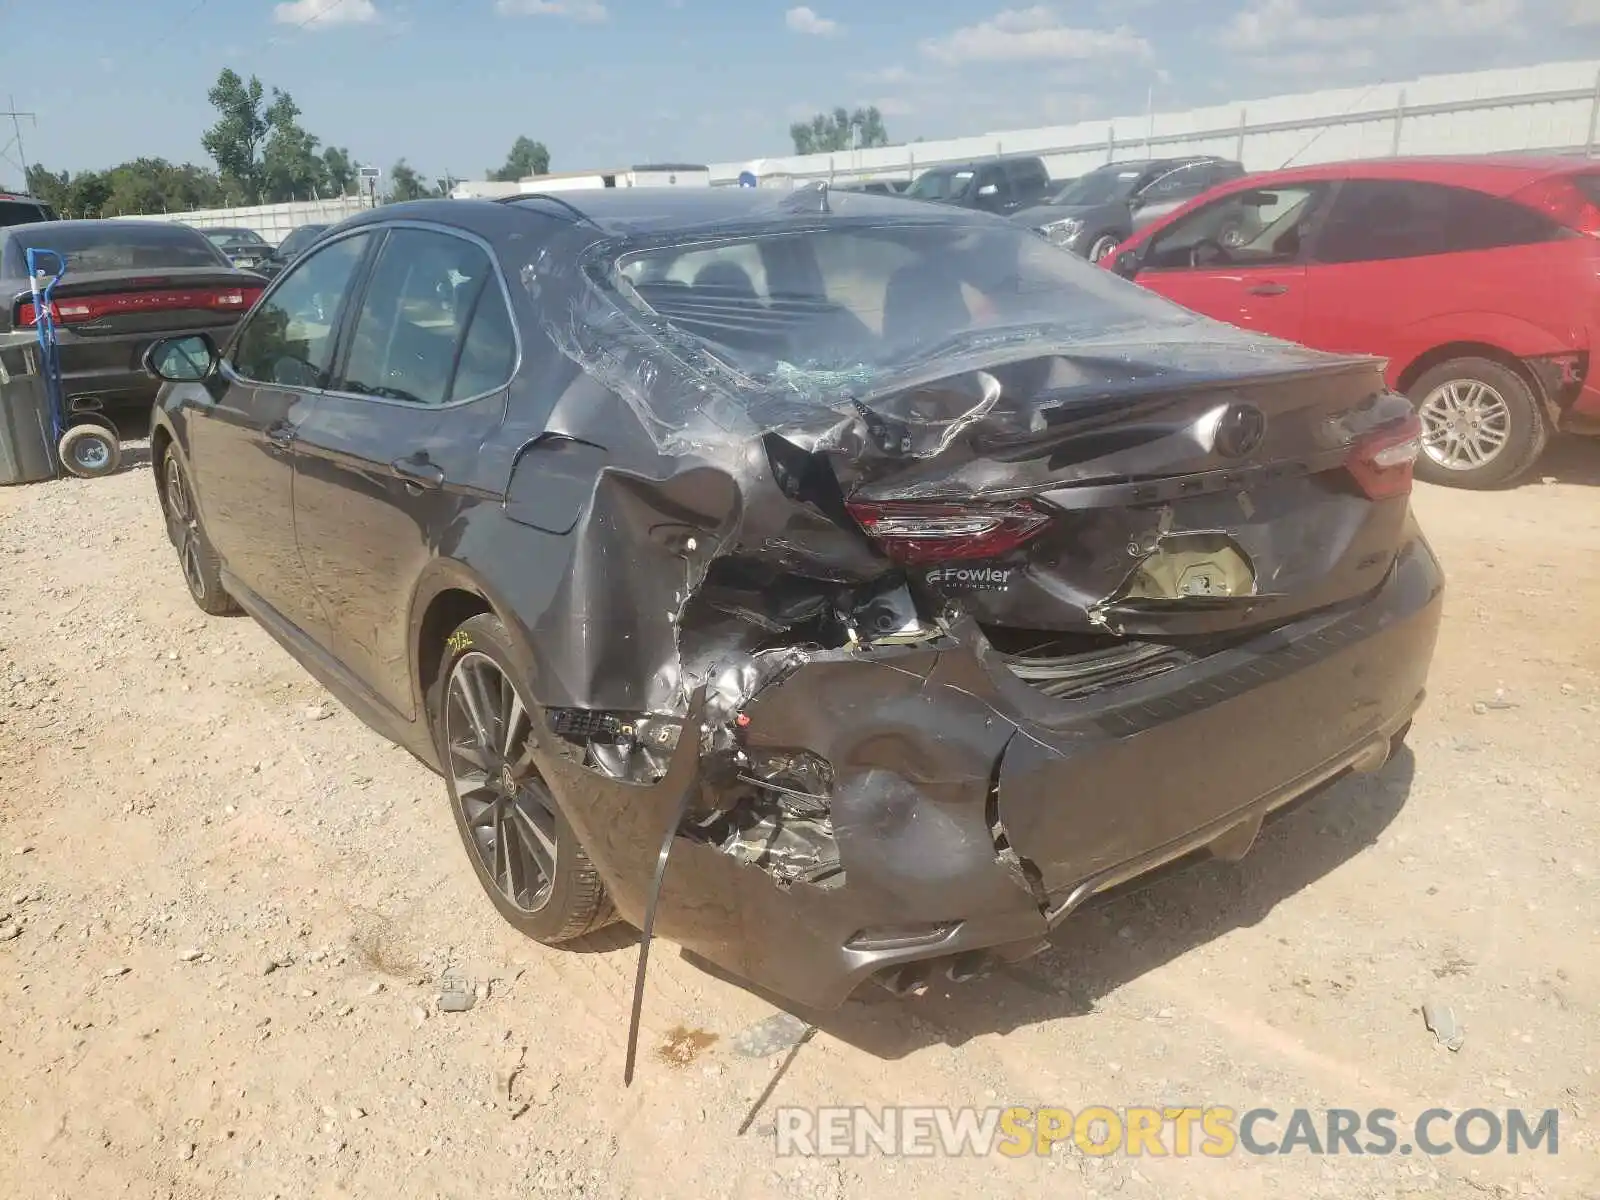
[(20, 212), (114, 246), (224, 237), (868, 295)]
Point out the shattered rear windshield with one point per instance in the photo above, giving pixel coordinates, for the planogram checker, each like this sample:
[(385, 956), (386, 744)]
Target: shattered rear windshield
[(865, 298)]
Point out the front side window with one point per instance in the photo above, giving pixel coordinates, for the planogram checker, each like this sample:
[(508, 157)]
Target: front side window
[(1178, 182), (1379, 219), (1100, 187), (289, 339), (1254, 228), (424, 292)]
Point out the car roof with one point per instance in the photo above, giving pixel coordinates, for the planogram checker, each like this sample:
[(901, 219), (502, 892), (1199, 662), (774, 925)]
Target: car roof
[(629, 212), (104, 224), (1494, 173)]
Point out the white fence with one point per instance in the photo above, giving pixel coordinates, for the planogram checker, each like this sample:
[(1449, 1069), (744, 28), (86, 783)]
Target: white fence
[(1550, 108), (271, 221)]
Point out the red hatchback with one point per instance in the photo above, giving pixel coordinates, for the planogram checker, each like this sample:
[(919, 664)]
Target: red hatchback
[(1477, 278)]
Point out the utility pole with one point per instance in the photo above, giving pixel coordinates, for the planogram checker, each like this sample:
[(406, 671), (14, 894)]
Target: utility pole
[(16, 134)]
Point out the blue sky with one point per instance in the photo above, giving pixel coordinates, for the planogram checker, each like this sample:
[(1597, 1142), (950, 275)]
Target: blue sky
[(448, 84)]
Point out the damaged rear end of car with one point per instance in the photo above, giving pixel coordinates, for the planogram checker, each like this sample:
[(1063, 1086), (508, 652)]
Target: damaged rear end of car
[(998, 581)]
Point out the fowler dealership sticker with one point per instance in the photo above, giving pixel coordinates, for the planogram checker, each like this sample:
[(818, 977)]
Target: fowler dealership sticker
[(970, 579)]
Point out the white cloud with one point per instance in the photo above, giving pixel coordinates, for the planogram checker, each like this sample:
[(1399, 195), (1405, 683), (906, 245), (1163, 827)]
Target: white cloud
[(1033, 34), (317, 14), (592, 11), (1269, 24), (894, 106), (893, 76), (1583, 12), (806, 20)]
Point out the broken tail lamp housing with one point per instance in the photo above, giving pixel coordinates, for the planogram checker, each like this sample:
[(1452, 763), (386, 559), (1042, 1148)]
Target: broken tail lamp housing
[(1381, 462), (910, 533)]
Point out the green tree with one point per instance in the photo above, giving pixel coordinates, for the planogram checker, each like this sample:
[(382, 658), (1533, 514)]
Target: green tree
[(527, 158), (339, 169), (406, 184), (291, 169), (839, 130), (234, 142)]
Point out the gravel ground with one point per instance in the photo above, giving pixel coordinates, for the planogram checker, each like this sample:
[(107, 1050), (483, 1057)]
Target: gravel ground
[(227, 911)]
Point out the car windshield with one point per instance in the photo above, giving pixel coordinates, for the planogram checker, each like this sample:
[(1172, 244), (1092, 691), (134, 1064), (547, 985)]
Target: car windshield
[(940, 185), (233, 237), (1100, 187), (866, 298), (115, 246)]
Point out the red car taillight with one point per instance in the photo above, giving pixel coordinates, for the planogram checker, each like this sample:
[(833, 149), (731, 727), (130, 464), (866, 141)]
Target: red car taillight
[(909, 532), (1382, 461), (1568, 199), (81, 309)]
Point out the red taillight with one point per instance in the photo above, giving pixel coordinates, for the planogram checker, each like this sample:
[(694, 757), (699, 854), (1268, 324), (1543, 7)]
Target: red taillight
[(1567, 199), (919, 533), (81, 309), (1381, 462)]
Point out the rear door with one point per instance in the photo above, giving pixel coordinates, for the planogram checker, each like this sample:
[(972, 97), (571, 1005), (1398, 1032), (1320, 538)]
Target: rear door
[(387, 456), (242, 433), (1401, 267), (1029, 182), (1241, 258)]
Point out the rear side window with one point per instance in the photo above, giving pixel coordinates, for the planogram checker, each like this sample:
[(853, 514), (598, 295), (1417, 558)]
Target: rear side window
[(1589, 185), (1381, 219), (1028, 175)]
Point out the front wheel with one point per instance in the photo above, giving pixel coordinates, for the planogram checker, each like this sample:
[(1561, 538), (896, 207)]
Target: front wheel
[(1103, 247), (202, 569), (525, 854), (1482, 425)]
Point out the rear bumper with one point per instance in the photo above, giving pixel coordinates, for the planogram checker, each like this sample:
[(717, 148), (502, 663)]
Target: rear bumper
[(972, 813)]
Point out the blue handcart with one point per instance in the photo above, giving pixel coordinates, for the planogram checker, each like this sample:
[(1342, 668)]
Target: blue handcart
[(87, 443)]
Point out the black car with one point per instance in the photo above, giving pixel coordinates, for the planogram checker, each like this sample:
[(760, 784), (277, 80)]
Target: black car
[(908, 579), (1095, 212), (997, 185), (23, 210), (245, 248), (127, 285)]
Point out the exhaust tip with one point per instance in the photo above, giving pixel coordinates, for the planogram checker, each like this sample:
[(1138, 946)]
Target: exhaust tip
[(1374, 756), (966, 967)]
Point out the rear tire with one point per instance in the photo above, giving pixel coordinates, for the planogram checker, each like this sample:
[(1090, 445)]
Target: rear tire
[(90, 451), (1483, 427), (481, 718), (202, 569)]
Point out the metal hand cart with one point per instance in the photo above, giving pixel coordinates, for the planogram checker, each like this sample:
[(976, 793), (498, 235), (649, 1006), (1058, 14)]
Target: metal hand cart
[(87, 443)]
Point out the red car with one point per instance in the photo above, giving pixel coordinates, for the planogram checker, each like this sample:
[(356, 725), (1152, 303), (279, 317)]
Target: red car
[(1477, 278)]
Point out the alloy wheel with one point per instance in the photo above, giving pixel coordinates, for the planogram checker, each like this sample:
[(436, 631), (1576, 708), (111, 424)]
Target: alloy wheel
[(182, 509), (1465, 424), (505, 802)]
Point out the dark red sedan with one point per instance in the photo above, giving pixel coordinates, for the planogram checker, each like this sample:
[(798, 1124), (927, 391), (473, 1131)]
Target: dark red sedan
[(1477, 278)]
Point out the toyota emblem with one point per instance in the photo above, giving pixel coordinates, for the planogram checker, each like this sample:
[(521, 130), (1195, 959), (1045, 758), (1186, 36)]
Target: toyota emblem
[(1240, 431)]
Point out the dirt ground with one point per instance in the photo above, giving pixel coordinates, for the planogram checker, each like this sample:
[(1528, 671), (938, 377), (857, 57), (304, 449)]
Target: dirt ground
[(228, 910)]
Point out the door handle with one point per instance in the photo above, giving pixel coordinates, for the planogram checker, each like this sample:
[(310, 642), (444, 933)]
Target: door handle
[(1269, 289), (419, 474)]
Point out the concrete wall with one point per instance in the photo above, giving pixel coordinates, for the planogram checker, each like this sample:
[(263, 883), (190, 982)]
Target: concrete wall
[(271, 221), (1553, 107)]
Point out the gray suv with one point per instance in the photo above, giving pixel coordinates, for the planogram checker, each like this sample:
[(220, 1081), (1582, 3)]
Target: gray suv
[(1095, 212)]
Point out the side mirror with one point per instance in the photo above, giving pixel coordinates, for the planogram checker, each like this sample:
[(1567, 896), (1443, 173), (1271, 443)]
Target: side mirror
[(989, 191), (187, 359), (1126, 264)]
